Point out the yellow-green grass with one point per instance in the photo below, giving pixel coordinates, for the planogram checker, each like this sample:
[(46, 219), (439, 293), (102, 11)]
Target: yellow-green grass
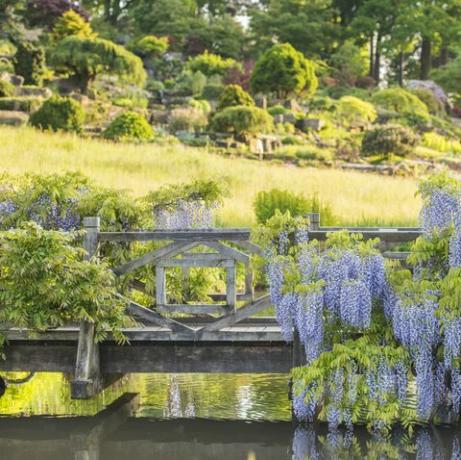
[(356, 198)]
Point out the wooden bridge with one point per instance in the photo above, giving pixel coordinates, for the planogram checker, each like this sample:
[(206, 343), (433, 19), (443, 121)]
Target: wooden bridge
[(218, 337)]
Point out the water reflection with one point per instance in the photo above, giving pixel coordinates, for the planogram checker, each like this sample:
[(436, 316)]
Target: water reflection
[(179, 417)]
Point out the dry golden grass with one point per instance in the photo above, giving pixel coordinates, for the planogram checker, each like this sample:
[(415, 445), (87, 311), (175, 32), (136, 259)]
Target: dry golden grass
[(355, 197)]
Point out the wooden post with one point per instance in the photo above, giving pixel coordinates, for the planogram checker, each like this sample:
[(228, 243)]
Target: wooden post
[(87, 380), (231, 288), (249, 289), (160, 285), (314, 221)]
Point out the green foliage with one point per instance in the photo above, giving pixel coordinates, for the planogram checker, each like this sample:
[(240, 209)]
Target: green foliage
[(6, 89), (86, 58), (267, 203), (354, 358), (242, 121), (212, 91), (428, 98), (129, 127), (168, 197), (198, 83), (151, 46), (350, 62), (200, 104), (45, 282), (21, 103), (278, 110), (442, 180), (30, 62), (389, 139), (72, 24), (449, 76), (59, 114), (210, 64), (187, 119), (284, 70), (234, 95), (352, 110), (400, 101)]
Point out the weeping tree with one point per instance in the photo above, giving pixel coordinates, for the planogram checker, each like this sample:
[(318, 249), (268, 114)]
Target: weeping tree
[(85, 58)]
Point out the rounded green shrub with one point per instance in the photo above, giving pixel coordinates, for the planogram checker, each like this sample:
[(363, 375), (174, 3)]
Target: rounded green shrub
[(389, 139), (6, 89), (234, 95), (187, 119), (59, 114), (400, 101), (129, 127), (284, 70), (352, 110), (212, 91), (30, 62), (267, 203), (242, 120), (433, 104), (278, 109)]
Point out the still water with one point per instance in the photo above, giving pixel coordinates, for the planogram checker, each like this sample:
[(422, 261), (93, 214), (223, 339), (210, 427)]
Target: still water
[(179, 417)]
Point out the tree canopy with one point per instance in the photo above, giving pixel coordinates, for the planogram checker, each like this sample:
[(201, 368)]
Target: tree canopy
[(86, 58)]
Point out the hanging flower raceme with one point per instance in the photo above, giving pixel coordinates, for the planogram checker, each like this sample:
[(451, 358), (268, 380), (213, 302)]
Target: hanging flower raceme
[(439, 210)]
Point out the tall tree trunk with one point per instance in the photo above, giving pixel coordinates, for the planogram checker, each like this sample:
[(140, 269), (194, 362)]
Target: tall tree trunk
[(116, 10), (401, 68), (377, 64), (372, 55), (444, 54), (107, 10), (426, 58)]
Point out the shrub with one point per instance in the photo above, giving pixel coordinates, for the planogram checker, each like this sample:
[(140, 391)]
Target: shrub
[(29, 61), (59, 113), (267, 203), (390, 139), (200, 104), (243, 121), (212, 91), (277, 110), (400, 101), (151, 46), (129, 127), (210, 64), (20, 103), (72, 23), (198, 83), (6, 89), (234, 95), (352, 110), (187, 119), (433, 104), (47, 283), (284, 70), (86, 58)]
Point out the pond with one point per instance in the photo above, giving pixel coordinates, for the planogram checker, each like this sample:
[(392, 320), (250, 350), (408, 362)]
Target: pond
[(188, 416)]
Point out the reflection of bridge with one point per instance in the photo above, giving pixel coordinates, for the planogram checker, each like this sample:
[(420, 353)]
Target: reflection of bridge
[(115, 434), (216, 337)]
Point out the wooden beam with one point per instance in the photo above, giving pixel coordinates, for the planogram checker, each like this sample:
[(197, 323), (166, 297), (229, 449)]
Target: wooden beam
[(191, 309), (386, 235), (228, 251), (251, 247), (213, 234), (210, 260), (152, 257), (148, 316), (240, 314), (231, 286)]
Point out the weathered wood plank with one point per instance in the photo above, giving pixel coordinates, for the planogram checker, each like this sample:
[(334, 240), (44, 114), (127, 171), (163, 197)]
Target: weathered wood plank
[(250, 247), (231, 287), (212, 261), (240, 314), (386, 235), (228, 251), (170, 250), (160, 285), (214, 234), (192, 309), (151, 317)]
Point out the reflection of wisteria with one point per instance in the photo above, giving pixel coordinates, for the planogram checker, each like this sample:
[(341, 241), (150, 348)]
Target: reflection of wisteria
[(173, 408), (313, 441)]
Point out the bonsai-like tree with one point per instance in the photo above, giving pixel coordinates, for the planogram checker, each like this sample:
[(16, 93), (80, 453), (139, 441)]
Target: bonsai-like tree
[(86, 58), (284, 70)]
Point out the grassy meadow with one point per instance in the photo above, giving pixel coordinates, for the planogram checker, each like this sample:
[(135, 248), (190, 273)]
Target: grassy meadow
[(357, 198)]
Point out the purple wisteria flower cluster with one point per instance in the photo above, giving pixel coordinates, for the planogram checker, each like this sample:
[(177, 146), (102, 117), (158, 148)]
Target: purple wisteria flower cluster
[(185, 215)]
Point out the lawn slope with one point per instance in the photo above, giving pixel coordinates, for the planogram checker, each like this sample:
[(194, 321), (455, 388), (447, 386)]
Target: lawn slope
[(355, 197)]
